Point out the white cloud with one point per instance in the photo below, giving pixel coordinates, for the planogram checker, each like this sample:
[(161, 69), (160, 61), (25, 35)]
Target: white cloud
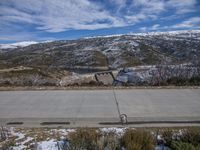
[(119, 3), (21, 36), (155, 27), (150, 6), (136, 18), (157, 6), (24, 36), (143, 29), (63, 15), (183, 6), (191, 22), (151, 28), (60, 15)]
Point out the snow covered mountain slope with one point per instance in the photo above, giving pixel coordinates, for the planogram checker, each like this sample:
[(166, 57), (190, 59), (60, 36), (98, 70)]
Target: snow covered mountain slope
[(16, 45), (113, 51)]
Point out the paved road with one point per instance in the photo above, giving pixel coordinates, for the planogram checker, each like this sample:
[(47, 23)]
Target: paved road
[(90, 107)]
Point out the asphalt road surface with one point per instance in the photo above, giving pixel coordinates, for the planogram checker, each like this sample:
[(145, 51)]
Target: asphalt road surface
[(93, 108)]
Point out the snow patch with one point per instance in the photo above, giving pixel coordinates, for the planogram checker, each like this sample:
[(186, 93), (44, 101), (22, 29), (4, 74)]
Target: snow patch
[(47, 145), (17, 134), (148, 34), (118, 131), (15, 45)]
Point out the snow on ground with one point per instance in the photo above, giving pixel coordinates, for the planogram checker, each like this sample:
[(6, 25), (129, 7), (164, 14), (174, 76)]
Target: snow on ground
[(28, 139), (22, 44), (16, 134), (21, 145), (134, 43), (47, 145), (63, 132), (149, 34), (118, 131), (21, 139), (24, 139), (53, 144), (167, 33), (18, 44)]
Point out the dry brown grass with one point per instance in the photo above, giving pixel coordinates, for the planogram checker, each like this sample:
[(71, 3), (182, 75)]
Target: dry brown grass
[(138, 140), (84, 138)]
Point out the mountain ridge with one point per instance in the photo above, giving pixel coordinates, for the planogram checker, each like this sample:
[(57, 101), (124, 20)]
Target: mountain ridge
[(111, 52), (27, 43)]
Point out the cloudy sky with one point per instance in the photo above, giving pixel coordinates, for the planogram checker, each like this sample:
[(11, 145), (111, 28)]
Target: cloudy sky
[(39, 20)]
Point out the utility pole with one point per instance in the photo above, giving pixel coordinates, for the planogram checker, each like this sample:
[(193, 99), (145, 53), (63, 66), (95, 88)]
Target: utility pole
[(122, 117)]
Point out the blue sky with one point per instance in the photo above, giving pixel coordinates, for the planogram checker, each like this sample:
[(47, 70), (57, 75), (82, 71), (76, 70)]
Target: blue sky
[(40, 20)]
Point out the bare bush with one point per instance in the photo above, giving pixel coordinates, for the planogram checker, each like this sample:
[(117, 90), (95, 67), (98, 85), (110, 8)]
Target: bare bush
[(84, 138), (138, 140)]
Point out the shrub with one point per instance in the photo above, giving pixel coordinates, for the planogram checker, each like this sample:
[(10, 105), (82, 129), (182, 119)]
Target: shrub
[(188, 138), (83, 138), (191, 135), (109, 141), (178, 81), (7, 145), (195, 81), (137, 140), (167, 135), (175, 145)]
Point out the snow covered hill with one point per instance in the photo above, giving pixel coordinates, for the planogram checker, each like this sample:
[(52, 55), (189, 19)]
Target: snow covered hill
[(16, 45), (112, 51)]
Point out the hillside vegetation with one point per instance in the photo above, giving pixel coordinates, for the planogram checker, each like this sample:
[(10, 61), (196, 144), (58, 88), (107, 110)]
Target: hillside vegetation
[(88, 55)]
